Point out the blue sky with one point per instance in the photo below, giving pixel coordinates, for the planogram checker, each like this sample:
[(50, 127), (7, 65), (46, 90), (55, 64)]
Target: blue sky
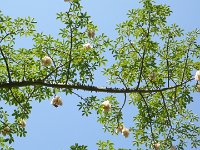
[(56, 129)]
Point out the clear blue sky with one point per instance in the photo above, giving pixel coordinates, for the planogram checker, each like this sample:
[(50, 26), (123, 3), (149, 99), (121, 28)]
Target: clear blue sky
[(56, 129)]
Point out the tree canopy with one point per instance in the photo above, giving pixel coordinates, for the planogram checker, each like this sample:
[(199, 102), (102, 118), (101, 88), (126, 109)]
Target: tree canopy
[(154, 66)]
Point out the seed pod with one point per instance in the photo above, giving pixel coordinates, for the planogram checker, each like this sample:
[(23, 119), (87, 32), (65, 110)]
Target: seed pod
[(197, 76), (22, 123), (119, 129), (157, 146), (87, 46), (57, 101), (125, 132), (91, 33), (106, 106), (46, 61), (173, 148)]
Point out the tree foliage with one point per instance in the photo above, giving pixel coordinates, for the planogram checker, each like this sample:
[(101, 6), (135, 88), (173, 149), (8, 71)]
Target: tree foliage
[(153, 67)]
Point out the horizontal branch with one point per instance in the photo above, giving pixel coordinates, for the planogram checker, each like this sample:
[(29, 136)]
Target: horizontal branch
[(85, 87)]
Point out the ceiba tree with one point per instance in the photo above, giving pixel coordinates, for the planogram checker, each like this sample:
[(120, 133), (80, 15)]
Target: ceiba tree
[(154, 69)]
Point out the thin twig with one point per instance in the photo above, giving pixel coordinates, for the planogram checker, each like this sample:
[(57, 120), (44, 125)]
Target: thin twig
[(184, 71), (144, 52), (7, 67), (148, 113), (168, 60), (19, 103), (70, 51)]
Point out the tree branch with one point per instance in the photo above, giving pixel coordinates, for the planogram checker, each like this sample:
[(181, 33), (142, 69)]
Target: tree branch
[(84, 87)]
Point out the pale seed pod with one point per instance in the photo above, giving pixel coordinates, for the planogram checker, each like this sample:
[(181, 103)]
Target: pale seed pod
[(173, 148), (125, 132), (91, 33), (197, 76), (22, 123), (5, 131), (87, 46), (119, 129), (157, 146), (56, 101), (198, 87), (106, 106), (46, 61)]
